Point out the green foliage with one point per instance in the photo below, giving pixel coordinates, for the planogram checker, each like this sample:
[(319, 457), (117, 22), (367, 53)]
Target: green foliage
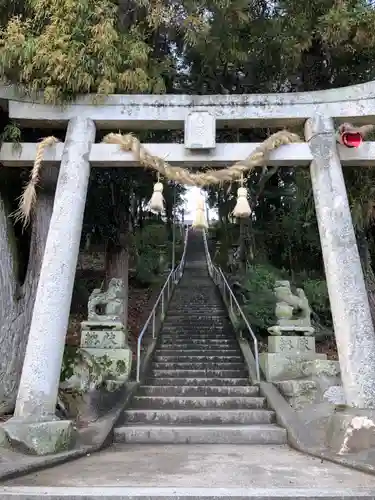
[(257, 298), (65, 48), (258, 301), (71, 354), (317, 294), (148, 246)]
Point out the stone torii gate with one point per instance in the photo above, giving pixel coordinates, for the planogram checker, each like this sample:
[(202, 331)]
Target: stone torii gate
[(199, 115)]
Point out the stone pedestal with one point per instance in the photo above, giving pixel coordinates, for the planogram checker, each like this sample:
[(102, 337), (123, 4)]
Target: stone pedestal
[(106, 342), (38, 438), (34, 427), (346, 287), (351, 430), (286, 357)]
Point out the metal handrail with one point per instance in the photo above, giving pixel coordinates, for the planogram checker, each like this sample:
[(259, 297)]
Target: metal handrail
[(217, 275), (173, 277)]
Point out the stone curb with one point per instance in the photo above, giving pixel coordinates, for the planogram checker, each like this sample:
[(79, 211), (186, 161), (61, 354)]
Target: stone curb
[(30, 463), (299, 436), (168, 493)]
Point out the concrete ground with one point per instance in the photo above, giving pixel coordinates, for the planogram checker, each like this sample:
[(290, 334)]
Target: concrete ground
[(198, 466)]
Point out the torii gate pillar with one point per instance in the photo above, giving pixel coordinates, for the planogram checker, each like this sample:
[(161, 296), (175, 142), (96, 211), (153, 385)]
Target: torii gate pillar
[(34, 425), (351, 315)]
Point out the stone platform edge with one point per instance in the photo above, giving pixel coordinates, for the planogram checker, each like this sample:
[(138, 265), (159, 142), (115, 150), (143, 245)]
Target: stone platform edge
[(299, 436), (130, 493), (98, 433), (301, 439)]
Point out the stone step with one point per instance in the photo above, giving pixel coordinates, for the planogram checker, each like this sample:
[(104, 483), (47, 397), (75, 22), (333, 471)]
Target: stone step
[(198, 358), (198, 341), (192, 311), (197, 319), (201, 381), (212, 341), (172, 350), (197, 365), (153, 492), (208, 434), (200, 334), (198, 373), (199, 417), (208, 327), (208, 347), (185, 339), (198, 391), (203, 402), (171, 329)]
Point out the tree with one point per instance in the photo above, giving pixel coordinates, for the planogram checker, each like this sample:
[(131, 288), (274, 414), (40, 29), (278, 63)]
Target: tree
[(21, 258)]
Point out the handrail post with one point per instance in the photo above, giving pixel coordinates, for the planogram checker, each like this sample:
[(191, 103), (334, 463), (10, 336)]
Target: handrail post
[(138, 358), (153, 324), (168, 286), (220, 281)]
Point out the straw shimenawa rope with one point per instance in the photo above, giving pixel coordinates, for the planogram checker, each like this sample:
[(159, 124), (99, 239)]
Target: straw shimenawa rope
[(183, 176), (28, 197), (129, 143)]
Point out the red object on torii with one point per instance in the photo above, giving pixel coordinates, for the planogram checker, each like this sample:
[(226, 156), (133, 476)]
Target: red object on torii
[(352, 137)]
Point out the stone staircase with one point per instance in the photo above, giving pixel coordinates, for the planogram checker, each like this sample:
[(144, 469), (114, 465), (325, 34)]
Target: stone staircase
[(198, 389)]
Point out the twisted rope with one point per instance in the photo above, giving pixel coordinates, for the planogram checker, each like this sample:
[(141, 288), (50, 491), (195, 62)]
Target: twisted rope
[(28, 197), (183, 176), (129, 143)]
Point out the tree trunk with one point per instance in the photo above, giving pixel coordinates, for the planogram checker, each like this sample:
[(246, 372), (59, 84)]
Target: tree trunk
[(364, 254), (117, 266), (17, 301), (117, 251)]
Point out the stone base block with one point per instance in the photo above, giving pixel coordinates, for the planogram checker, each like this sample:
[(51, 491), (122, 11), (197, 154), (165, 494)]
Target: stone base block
[(277, 366), (102, 325), (293, 344), (116, 362), (103, 339), (351, 431), (298, 393), (38, 438), (321, 367)]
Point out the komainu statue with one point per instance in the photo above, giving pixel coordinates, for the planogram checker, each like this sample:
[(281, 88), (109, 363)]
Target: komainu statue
[(292, 311), (109, 305)]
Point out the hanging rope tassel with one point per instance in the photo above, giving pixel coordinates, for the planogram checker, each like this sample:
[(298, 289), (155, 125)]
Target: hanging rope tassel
[(242, 208), (200, 219), (156, 204), (27, 200)]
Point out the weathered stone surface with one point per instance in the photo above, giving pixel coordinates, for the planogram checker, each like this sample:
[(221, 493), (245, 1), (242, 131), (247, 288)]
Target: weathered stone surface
[(280, 366), (200, 130), (291, 343), (81, 372), (351, 430), (321, 367), (40, 377), (115, 362), (103, 339), (292, 310), (335, 395), (107, 305), (298, 393), (39, 438), (110, 155), (350, 309), (135, 112)]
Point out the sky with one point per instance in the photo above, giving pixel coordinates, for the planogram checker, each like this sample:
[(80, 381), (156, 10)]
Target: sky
[(191, 196)]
